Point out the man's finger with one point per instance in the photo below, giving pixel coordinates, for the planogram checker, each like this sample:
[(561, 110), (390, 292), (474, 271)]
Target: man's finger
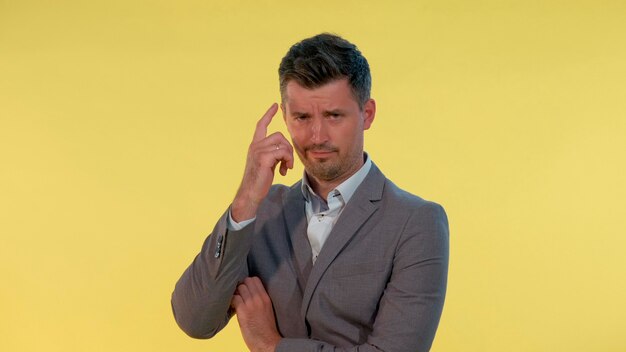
[(243, 292), (276, 137), (252, 285), (256, 288), (260, 290), (271, 155), (258, 284), (261, 127), (236, 301)]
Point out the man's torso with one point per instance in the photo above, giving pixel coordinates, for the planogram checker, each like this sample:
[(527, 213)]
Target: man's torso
[(337, 299)]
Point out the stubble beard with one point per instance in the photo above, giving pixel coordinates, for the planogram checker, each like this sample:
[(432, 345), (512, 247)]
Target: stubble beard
[(327, 169)]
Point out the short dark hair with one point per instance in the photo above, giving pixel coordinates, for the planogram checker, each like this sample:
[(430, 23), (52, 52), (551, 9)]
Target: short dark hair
[(323, 58)]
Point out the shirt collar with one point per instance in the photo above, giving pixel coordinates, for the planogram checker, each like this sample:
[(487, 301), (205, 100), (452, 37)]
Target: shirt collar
[(346, 189)]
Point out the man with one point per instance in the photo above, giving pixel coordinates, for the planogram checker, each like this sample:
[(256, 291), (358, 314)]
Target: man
[(341, 261)]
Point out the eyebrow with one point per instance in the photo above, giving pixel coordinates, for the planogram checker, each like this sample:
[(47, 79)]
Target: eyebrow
[(325, 113), (300, 114), (334, 112)]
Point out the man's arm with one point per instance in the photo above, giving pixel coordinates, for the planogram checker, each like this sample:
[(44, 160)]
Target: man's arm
[(256, 316), (411, 305), (264, 154), (203, 294)]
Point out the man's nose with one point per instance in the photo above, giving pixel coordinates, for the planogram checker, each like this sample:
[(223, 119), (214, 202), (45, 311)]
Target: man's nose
[(319, 131)]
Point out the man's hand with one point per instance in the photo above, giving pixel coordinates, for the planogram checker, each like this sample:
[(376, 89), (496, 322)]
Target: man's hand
[(264, 153), (255, 315)]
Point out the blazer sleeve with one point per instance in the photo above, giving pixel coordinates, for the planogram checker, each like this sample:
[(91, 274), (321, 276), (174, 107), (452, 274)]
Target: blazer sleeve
[(201, 297), (412, 303)]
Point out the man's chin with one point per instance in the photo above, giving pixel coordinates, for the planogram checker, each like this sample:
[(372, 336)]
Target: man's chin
[(322, 170), (319, 163)]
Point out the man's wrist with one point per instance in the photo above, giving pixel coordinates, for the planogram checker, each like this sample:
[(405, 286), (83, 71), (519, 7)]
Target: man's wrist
[(236, 226), (271, 346), (243, 209)]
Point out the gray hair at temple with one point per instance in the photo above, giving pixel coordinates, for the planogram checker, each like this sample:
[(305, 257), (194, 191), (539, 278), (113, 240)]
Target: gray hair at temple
[(323, 58)]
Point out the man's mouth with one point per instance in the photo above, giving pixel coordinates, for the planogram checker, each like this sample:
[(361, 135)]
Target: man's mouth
[(320, 153)]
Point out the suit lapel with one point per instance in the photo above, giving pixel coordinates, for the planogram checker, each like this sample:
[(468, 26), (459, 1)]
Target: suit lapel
[(297, 226), (360, 208)]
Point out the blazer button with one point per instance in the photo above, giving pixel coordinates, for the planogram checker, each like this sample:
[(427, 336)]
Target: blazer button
[(218, 248)]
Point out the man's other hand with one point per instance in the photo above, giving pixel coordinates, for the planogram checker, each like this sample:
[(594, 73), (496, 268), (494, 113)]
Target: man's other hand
[(255, 314), (264, 153)]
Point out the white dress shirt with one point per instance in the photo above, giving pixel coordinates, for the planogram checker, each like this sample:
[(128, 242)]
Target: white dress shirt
[(321, 214)]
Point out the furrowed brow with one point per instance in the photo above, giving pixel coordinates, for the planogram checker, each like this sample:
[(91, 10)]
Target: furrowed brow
[(300, 114), (334, 112)]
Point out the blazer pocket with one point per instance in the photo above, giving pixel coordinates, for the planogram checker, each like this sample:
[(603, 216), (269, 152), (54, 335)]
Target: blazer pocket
[(358, 269)]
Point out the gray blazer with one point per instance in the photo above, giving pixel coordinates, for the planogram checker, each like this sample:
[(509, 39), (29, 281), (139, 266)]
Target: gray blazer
[(378, 283)]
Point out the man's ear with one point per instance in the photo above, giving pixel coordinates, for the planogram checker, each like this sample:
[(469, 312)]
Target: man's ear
[(369, 112)]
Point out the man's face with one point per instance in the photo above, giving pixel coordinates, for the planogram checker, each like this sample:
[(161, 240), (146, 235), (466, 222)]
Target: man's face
[(326, 128)]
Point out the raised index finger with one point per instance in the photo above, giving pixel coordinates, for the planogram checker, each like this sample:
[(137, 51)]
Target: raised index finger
[(261, 127)]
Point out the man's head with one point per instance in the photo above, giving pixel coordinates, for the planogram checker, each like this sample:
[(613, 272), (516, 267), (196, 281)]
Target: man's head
[(325, 88), (323, 58)]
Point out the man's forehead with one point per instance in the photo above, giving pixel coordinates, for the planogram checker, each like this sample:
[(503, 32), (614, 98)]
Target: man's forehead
[(334, 94)]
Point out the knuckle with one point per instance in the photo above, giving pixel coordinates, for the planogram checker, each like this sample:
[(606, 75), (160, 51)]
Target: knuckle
[(252, 147)]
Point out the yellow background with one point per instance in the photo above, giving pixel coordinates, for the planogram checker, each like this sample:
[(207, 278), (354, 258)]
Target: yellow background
[(124, 126)]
